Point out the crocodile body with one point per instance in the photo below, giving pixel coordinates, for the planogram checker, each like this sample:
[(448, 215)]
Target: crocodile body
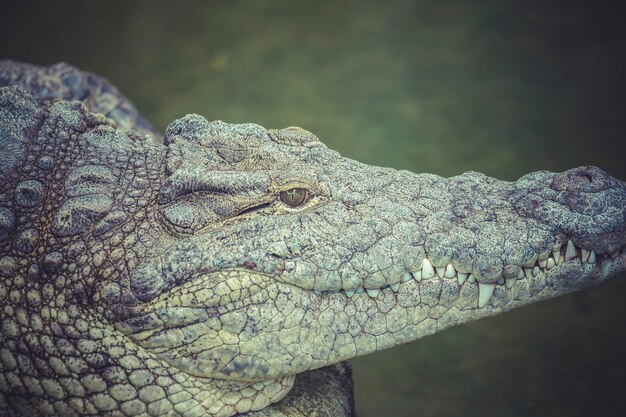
[(198, 276)]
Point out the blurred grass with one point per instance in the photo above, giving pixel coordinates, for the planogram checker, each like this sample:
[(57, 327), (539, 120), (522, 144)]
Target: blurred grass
[(502, 87)]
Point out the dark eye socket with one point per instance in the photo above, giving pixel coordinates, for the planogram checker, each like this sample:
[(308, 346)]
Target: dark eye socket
[(294, 197)]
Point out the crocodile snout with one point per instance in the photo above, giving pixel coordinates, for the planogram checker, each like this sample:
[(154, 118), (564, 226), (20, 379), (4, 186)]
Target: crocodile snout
[(585, 204)]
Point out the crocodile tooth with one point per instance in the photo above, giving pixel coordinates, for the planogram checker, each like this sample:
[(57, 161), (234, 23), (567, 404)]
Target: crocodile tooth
[(440, 271), (570, 252), (584, 255), (485, 291), (528, 272), (471, 278), (509, 282), (407, 277), (360, 290), (373, 293), (395, 287), (536, 271), (520, 274), (427, 269), (461, 278), (450, 271), (556, 255), (500, 281), (543, 263), (417, 275), (551, 264), (349, 293), (592, 257)]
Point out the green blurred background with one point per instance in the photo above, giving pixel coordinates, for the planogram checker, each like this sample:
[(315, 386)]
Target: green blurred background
[(502, 87)]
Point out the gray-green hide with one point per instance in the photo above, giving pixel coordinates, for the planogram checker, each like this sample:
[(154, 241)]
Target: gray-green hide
[(199, 276)]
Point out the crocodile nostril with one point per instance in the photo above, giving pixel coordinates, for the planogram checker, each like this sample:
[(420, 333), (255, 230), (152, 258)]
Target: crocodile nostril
[(582, 179)]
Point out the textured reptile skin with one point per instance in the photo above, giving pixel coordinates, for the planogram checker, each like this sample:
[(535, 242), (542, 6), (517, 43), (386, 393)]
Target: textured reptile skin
[(199, 276)]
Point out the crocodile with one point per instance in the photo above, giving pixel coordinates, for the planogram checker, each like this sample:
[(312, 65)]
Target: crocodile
[(200, 275)]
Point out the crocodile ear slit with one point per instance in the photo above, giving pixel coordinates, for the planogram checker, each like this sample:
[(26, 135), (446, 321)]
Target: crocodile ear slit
[(201, 180), (189, 128)]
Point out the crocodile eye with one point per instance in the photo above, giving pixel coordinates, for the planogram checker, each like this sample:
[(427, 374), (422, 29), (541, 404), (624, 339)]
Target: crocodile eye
[(294, 197)]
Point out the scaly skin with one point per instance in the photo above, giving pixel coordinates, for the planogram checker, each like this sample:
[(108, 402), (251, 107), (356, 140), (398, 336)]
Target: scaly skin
[(65, 82), (199, 276)]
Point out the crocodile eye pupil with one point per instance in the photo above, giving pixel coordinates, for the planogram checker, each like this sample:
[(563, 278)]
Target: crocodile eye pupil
[(293, 197)]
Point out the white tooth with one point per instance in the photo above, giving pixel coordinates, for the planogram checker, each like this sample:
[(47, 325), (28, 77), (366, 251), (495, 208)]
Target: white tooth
[(536, 271), (395, 287), (440, 271), (584, 255), (543, 263), (461, 277), (592, 257), (528, 272), (471, 278), (509, 282), (450, 271), (360, 290), (551, 264), (349, 293), (556, 255), (500, 281), (373, 293), (427, 269), (520, 274), (407, 277), (485, 291), (417, 275), (570, 252)]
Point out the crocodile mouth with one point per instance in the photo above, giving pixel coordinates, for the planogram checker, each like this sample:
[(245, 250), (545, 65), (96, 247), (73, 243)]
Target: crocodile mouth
[(218, 321), (587, 261)]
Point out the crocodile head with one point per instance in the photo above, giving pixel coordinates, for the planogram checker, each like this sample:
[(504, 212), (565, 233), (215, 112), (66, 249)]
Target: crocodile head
[(280, 255)]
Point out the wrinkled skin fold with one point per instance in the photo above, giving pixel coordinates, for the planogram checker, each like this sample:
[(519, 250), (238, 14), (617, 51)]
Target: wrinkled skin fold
[(197, 277)]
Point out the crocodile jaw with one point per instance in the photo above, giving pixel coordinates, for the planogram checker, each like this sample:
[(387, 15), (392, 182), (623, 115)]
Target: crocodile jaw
[(280, 329)]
